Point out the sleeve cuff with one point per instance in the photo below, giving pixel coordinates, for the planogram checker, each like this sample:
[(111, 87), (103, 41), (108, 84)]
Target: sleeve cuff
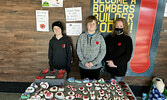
[(84, 62)]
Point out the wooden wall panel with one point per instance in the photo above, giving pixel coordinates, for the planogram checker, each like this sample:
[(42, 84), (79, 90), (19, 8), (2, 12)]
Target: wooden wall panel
[(23, 50)]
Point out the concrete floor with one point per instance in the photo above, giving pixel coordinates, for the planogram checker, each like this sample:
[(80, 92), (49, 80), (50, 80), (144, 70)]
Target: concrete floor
[(9, 96)]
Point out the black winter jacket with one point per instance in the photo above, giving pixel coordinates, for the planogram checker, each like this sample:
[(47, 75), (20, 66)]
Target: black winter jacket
[(60, 53), (119, 50)]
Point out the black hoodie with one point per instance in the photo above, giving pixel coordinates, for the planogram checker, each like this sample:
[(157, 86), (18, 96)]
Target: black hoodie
[(119, 49), (60, 53)]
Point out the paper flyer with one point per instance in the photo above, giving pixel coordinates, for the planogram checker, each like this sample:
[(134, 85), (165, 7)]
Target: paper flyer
[(73, 28), (165, 13), (73, 14), (42, 20), (52, 3)]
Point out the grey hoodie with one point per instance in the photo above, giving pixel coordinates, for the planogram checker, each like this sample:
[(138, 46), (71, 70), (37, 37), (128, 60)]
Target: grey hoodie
[(91, 49)]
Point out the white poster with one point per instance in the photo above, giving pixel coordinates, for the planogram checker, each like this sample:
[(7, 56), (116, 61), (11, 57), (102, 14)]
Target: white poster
[(52, 3), (73, 28), (165, 13), (42, 20), (73, 14)]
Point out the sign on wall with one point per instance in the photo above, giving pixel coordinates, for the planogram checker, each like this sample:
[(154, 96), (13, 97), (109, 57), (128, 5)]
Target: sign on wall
[(165, 13), (73, 14), (73, 28), (144, 18), (42, 20), (52, 3), (108, 10)]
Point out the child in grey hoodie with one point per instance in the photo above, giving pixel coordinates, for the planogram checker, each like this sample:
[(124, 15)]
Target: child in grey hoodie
[(91, 49)]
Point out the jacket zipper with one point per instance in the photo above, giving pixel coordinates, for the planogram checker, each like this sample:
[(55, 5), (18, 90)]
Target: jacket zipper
[(90, 40)]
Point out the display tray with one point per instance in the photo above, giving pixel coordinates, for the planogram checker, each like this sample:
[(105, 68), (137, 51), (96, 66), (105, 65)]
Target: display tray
[(110, 90), (52, 78)]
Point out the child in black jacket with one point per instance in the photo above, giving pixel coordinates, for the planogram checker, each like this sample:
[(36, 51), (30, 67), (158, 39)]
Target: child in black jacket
[(60, 51)]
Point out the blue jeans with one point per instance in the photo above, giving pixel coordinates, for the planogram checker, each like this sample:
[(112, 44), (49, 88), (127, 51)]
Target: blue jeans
[(118, 78)]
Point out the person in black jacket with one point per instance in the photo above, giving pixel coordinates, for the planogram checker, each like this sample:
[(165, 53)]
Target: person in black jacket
[(60, 51), (118, 49)]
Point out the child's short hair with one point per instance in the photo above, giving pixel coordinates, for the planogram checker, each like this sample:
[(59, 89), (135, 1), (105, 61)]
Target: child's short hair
[(59, 24), (90, 19)]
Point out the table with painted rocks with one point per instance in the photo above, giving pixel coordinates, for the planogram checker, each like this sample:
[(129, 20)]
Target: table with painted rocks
[(77, 90)]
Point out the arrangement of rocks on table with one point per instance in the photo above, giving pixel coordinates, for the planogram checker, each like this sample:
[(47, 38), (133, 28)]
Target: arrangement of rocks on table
[(74, 89)]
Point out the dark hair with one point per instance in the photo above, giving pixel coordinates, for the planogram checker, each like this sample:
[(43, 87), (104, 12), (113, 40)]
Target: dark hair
[(59, 24), (90, 19)]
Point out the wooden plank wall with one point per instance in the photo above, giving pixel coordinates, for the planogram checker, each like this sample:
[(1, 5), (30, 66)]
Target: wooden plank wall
[(23, 50)]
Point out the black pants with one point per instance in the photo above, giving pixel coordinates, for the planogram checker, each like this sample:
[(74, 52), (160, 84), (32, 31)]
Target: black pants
[(91, 74)]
